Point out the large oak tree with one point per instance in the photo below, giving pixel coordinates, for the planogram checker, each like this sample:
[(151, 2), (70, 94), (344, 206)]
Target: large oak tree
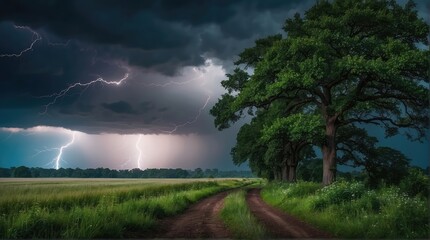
[(349, 62)]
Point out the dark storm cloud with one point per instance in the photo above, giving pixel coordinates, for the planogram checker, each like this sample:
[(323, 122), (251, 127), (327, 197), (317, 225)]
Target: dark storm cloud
[(84, 40), (120, 107), (168, 34), (146, 106)]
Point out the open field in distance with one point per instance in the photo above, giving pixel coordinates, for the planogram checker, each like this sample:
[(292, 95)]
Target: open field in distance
[(90, 208)]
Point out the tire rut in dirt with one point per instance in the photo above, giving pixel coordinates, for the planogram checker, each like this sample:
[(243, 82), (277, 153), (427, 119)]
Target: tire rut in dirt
[(277, 223), (201, 220)]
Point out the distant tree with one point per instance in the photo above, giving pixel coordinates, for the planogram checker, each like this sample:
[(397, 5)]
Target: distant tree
[(310, 170), (181, 173), (79, 173), (416, 182), (386, 164), (136, 173), (198, 173), (5, 172), (21, 172), (380, 163), (215, 172)]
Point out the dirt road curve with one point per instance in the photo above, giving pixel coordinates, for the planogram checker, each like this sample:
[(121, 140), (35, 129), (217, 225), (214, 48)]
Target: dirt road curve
[(277, 223), (200, 221)]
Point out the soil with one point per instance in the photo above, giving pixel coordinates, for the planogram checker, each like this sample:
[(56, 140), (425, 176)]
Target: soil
[(201, 220), (277, 223)]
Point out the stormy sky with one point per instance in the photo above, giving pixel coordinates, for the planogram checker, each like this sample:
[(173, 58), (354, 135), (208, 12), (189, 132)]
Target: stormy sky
[(129, 83)]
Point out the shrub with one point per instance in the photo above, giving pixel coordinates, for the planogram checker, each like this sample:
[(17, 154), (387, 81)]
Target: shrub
[(415, 183), (338, 192), (349, 210), (302, 189)]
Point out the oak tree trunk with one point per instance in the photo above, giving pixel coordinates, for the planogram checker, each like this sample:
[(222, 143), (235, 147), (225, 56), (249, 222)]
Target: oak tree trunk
[(285, 173), (292, 173), (329, 154)]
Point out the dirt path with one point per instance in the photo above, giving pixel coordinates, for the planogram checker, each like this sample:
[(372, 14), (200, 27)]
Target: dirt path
[(201, 220), (277, 223)]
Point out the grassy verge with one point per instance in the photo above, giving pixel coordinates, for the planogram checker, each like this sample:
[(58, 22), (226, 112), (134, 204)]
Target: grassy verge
[(349, 210), (110, 210), (239, 219)]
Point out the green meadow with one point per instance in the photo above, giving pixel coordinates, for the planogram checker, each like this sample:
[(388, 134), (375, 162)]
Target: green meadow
[(96, 208), (351, 210)]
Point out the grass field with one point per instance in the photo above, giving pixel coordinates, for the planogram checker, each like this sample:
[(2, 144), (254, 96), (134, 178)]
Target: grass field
[(96, 208), (239, 220), (350, 210)]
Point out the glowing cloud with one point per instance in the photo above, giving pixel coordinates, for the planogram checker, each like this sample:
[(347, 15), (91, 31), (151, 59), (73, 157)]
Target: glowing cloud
[(177, 126)]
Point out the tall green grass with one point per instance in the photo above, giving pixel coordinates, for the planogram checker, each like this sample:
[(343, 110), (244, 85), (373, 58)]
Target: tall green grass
[(102, 209), (350, 210), (238, 219)]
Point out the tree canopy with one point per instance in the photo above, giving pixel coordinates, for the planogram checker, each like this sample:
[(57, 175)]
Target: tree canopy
[(344, 63)]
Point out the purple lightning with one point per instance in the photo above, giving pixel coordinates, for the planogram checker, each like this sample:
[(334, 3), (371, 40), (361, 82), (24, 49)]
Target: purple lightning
[(61, 44), (36, 37), (139, 157), (169, 83), (177, 83), (63, 92), (177, 126), (55, 96)]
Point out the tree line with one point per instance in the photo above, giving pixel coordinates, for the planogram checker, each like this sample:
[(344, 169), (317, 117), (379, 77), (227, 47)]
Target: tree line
[(26, 172), (342, 66)]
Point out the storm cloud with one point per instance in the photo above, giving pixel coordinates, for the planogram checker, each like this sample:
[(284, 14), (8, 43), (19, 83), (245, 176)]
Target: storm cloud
[(175, 52)]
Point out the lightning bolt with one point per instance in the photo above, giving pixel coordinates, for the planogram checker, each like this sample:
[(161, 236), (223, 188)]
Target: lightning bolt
[(60, 153), (139, 157), (63, 92), (65, 44), (177, 126), (36, 37), (169, 83), (55, 96), (56, 161), (177, 83)]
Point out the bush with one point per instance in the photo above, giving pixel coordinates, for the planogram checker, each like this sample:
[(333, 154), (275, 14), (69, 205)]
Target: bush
[(302, 189), (349, 210), (338, 192), (415, 183)]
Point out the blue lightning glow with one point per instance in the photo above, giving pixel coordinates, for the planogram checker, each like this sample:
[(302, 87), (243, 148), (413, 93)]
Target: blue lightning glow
[(60, 153), (36, 37)]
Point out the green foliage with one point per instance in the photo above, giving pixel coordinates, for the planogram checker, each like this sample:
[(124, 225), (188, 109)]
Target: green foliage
[(298, 189), (310, 170), (342, 63), (338, 192), (21, 172), (95, 209), (296, 127), (239, 220), (386, 164), (349, 210), (416, 183)]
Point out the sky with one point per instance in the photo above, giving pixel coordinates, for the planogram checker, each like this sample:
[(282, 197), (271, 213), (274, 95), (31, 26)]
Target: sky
[(129, 84)]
